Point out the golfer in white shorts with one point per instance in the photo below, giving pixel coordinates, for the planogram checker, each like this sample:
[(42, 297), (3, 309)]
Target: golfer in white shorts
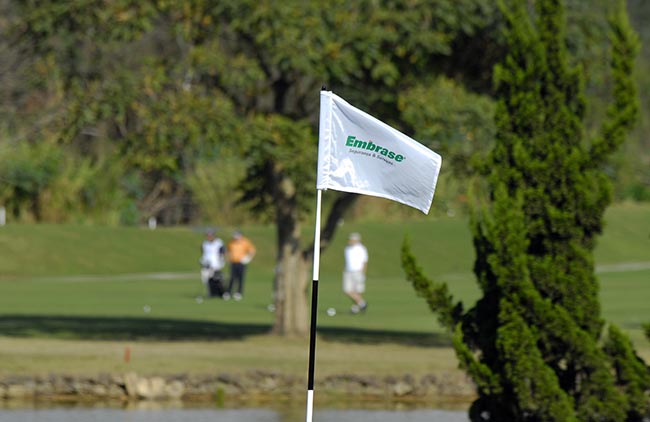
[(354, 275)]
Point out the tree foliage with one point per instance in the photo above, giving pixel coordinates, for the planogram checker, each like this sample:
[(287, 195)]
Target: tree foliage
[(102, 77), (535, 342), (164, 87)]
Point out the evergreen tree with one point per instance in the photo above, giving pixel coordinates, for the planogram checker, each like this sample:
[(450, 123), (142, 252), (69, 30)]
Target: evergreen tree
[(535, 342)]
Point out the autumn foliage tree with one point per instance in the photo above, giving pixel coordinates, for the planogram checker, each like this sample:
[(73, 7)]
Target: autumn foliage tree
[(535, 342)]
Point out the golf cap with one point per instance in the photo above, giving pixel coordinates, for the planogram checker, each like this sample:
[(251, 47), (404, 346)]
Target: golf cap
[(354, 236)]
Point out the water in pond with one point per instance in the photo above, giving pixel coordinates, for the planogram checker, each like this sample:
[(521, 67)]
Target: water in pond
[(207, 414)]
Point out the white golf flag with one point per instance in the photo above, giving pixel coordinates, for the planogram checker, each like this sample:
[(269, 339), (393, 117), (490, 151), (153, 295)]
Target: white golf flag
[(360, 154)]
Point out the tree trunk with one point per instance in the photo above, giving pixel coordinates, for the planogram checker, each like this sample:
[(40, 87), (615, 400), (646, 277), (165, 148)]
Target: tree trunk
[(293, 263), (291, 269), (291, 308)]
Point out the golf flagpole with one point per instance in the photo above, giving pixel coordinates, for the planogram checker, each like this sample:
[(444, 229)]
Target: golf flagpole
[(360, 154), (314, 309)]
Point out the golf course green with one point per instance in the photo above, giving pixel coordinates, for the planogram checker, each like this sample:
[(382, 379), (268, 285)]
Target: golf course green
[(73, 298)]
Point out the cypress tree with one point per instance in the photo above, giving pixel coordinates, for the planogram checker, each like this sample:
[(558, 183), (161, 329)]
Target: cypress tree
[(535, 342)]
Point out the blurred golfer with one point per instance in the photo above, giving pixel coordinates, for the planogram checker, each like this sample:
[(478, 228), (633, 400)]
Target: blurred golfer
[(354, 275), (213, 260), (240, 251)]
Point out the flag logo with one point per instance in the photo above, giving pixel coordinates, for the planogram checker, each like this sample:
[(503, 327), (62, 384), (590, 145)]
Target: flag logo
[(356, 143)]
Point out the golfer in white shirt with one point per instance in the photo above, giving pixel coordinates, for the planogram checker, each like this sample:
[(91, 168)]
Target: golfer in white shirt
[(354, 275)]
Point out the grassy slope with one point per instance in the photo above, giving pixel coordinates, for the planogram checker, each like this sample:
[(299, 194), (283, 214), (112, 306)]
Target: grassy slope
[(39, 307)]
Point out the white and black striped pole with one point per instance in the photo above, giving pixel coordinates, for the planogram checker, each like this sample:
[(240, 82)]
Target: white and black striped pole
[(314, 311)]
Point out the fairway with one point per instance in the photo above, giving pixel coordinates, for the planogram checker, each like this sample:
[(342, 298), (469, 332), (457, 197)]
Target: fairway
[(65, 301)]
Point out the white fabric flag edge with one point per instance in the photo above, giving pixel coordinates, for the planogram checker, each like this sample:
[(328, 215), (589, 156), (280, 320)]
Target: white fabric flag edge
[(326, 139)]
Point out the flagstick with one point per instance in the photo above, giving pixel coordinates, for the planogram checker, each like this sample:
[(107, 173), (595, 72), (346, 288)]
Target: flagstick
[(314, 308)]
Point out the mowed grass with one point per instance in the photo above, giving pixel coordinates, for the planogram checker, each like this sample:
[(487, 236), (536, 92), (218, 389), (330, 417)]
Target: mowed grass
[(72, 298)]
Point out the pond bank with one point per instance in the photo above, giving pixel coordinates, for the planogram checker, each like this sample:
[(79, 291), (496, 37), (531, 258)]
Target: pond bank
[(252, 385)]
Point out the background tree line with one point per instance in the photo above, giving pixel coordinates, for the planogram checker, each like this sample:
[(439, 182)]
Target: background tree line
[(112, 112)]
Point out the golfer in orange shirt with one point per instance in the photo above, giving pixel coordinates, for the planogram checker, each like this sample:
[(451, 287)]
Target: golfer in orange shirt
[(240, 251)]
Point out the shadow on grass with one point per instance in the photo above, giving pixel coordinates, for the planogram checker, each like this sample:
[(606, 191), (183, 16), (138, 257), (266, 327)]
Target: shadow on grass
[(159, 329), (363, 336), (124, 328)]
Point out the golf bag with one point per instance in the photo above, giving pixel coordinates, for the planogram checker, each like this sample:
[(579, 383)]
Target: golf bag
[(212, 280), (215, 284)]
